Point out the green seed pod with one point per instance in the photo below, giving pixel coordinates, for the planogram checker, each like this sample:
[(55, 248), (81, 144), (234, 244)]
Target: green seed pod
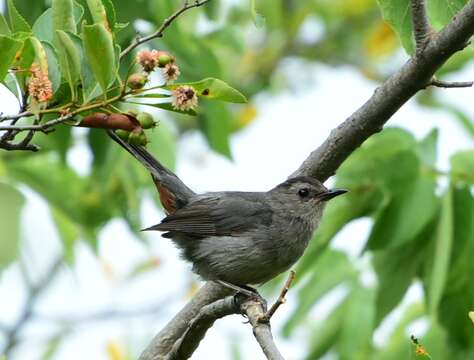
[(123, 134), (136, 81), (146, 120), (164, 58), (137, 138)]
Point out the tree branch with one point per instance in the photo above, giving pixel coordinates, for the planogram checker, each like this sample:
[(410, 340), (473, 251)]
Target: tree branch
[(421, 26), (450, 84), (389, 97), (163, 342), (159, 33)]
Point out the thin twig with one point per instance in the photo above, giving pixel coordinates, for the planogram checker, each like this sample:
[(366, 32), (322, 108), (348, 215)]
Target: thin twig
[(166, 23), (421, 26), (33, 294), (450, 84), (281, 299), (42, 127)]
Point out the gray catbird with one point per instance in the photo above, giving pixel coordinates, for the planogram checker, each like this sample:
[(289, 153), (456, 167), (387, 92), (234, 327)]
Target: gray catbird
[(237, 238)]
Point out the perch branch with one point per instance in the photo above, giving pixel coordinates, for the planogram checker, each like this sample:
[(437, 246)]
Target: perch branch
[(281, 299), (450, 84)]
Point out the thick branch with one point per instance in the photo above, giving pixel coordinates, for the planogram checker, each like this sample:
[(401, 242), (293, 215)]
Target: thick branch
[(174, 330), (421, 25), (188, 343), (159, 33), (389, 97)]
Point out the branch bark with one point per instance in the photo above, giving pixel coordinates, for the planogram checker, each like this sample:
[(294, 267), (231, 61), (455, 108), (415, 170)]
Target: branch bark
[(389, 97), (421, 26), (323, 162)]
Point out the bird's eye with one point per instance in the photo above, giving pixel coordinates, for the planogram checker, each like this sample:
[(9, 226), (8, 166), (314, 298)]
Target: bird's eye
[(303, 192)]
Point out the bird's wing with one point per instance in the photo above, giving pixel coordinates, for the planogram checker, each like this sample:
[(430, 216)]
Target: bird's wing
[(228, 214), (173, 192)]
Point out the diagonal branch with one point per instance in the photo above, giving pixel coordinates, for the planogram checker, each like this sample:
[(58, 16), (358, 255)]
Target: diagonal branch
[(159, 33), (389, 97)]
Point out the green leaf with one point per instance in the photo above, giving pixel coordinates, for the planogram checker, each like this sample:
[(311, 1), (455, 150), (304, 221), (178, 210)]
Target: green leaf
[(215, 123), (4, 28), (215, 89), (17, 22), (99, 53), (53, 65), (355, 338), (10, 209), (40, 54), (396, 269), (258, 19), (407, 213), (98, 13), (441, 260), (462, 166), (327, 333), (331, 269), (63, 15), (8, 48), (441, 12), (398, 14), (69, 60), (42, 27), (463, 245), (427, 148), (165, 106)]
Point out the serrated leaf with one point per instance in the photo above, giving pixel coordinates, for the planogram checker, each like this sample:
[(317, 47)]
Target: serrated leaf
[(69, 60), (17, 22), (398, 14), (99, 53), (462, 166), (8, 48), (211, 88), (4, 28), (63, 15), (10, 208), (441, 260)]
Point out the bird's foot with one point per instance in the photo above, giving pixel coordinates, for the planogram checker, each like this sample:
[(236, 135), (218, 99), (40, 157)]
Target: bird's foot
[(245, 291)]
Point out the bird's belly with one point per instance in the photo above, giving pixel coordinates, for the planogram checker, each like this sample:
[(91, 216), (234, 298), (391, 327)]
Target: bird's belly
[(244, 259)]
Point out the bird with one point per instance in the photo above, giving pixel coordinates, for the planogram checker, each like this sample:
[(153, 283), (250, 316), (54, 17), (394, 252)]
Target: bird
[(238, 239)]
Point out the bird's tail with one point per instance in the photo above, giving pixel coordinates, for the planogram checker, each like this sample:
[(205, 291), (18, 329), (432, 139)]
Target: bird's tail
[(173, 192)]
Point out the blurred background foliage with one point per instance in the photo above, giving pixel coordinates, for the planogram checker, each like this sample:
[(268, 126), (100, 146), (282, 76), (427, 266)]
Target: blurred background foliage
[(423, 218)]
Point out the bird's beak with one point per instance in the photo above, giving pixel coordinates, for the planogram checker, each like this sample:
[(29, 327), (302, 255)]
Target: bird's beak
[(332, 193)]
